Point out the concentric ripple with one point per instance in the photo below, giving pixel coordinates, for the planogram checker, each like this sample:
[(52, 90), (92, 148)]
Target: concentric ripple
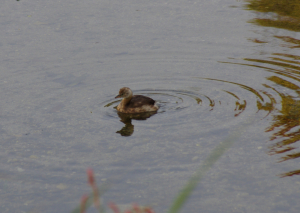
[(216, 103), (283, 94)]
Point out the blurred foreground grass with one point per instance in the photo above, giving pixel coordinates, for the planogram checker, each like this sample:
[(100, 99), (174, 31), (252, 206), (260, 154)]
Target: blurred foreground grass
[(182, 196)]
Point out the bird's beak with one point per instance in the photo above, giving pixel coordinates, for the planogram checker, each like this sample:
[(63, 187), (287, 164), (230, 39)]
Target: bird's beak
[(118, 96)]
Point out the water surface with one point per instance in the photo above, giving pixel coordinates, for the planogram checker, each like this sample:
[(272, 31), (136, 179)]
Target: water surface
[(211, 66)]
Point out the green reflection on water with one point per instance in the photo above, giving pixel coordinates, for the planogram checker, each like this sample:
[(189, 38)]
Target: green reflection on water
[(111, 103), (240, 85), (287, 119), (284, 72), (287, 13), (291, 41)]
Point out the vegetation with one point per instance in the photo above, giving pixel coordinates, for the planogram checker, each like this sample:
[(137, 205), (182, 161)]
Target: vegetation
[(183, 195)]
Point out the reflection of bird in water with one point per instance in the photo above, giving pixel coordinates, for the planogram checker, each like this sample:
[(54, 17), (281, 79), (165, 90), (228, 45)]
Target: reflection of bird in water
[(128, 129), (135, 103)]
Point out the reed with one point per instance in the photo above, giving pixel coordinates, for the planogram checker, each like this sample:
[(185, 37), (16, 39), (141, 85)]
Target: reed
[(183, 195)]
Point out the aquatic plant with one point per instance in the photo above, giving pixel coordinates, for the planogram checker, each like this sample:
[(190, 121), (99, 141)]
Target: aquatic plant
[(94, 198), (183, 195)]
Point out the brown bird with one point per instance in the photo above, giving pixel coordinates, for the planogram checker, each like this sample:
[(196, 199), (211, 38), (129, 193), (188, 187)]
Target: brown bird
[(135, 103)]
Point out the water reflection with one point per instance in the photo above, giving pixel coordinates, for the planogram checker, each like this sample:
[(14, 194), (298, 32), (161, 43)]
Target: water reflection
[(286, 117), (128, 129), (279, 14), (191, 105), (283, 89), (287, 123)]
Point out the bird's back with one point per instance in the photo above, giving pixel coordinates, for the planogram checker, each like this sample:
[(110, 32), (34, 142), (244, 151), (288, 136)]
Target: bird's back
[(139, 101)]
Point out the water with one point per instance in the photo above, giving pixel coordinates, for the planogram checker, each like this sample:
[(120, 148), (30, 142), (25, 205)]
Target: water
[(206, 63)]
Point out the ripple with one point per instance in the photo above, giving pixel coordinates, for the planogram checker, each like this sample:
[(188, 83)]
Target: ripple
[(283, 94), (217, 102)]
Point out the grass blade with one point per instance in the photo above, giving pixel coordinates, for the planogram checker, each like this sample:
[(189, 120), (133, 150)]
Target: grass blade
[(208, 163)]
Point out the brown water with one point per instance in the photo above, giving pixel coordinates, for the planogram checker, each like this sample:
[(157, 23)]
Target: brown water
[(211, 66)]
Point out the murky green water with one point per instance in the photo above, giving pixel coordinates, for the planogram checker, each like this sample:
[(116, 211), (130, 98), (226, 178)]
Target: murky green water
[(211, 65)]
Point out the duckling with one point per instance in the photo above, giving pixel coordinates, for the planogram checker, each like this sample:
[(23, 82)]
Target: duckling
[(135, 103)]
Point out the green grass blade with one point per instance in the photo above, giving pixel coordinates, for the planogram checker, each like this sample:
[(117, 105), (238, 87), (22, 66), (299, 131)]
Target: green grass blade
[(89, 202), (208, 163)]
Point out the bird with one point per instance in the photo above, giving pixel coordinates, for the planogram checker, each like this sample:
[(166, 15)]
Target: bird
[(135, 103)]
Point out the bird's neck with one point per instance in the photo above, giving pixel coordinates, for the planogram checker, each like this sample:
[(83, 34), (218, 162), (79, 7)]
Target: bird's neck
[(125, 101)]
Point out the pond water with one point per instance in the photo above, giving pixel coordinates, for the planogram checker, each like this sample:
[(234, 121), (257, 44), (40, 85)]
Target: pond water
[(211, 66)]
